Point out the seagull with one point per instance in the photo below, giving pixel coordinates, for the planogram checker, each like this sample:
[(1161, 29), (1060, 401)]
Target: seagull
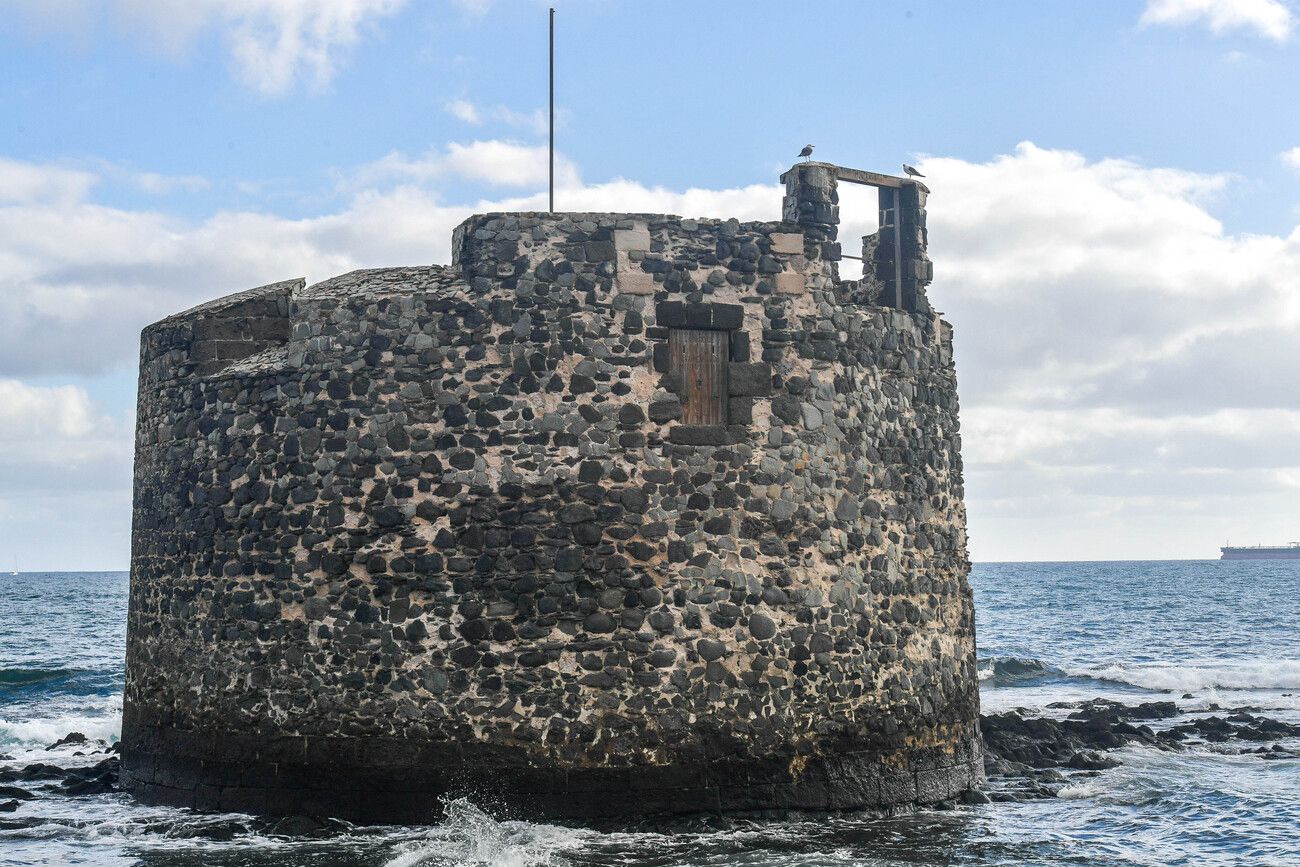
[(911, 172), (806, 153)]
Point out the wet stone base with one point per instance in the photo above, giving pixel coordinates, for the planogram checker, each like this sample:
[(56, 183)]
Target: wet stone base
[(395, 782)]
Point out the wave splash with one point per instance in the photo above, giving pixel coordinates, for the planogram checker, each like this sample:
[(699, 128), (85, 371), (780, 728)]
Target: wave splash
[(469, 836), (1193, 676), (1189, 676), (97, 719)]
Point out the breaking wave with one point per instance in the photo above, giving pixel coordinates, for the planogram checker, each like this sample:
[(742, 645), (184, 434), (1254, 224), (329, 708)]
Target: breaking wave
[(1192, 676), (1189, 676), (98, 719), (1015, 670)]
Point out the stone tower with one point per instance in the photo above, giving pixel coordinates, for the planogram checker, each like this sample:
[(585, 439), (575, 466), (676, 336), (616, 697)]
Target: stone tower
[(619, 514)]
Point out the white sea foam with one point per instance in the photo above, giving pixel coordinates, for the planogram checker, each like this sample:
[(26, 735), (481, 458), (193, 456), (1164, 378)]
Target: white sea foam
[(470, 836), (1199, 675), (99, 719), (1087, 789)]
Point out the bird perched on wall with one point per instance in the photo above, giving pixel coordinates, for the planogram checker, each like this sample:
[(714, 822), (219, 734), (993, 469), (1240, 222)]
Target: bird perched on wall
[(806, 153), (911, 172)]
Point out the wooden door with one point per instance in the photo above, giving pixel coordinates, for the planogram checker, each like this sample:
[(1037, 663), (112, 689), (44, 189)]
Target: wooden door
[(699, 359)]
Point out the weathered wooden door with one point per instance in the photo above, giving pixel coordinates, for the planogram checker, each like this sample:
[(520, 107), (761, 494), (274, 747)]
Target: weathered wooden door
[(699, 359)]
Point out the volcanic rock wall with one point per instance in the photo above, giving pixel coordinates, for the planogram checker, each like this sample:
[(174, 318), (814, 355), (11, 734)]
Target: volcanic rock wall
[(450, 534)]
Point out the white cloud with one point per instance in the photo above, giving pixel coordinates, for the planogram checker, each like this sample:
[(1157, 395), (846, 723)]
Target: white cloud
[(535, 121), (55, 438), (65, 479), (493, 162), (161, 185), (1269, 18), (24, 183), (464, 110), (1122, 357), (472, 7), (273, 44), (1291, 157), (1126, 364), (1116, 269), (55, 416)]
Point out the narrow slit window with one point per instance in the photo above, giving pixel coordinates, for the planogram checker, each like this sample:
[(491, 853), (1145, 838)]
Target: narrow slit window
[(699, 360)]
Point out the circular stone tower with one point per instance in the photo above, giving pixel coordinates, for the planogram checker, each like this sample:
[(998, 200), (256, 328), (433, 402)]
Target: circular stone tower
[(620, 514)]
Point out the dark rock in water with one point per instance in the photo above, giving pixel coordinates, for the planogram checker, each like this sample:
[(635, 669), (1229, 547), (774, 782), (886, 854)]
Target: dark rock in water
[(8, 806), (217, 832), (72, 738), (1091, 760), (39, 771), (98, 786), (98, 779), (1106, 710), (996, 766), (300, 826), (1021, 754), (974, 797), (1240, 725), (1048, 743), (95, 779)]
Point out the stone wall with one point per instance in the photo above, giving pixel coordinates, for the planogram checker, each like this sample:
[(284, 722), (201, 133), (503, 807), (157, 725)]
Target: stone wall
[(449, 535)]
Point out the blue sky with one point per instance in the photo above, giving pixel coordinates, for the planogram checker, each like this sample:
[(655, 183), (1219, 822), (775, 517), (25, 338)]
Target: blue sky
[(1113, 221)]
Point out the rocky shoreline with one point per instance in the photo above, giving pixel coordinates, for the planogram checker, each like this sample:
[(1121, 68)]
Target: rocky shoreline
[(38, 779), (1031, 757)]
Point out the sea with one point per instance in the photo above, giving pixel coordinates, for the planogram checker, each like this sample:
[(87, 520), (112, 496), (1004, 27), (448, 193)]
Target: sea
[(1211, 636)]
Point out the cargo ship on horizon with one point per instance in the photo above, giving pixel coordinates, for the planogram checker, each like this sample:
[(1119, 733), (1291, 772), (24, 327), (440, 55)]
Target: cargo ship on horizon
[(1261, 552)]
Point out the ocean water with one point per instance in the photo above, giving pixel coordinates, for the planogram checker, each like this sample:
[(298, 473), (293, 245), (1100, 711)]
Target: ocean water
[(1205, 634)]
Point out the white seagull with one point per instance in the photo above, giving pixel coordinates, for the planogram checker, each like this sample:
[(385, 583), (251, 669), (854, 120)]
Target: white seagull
[(806, 153), (911, 172)]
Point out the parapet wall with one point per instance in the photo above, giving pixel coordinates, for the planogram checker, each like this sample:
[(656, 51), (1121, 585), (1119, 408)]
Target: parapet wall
[(458, 533)]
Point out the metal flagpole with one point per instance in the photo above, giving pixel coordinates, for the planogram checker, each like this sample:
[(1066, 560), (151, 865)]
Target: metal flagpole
[(551, 148)]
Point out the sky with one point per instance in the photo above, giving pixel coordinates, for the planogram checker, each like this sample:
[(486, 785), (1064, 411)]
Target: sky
[(1114, 217)]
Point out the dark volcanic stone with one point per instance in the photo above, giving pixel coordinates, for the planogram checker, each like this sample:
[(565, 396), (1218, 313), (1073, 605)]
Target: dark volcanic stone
[(762, 627), (665, 410), (698, 435), (750, 380), (70, 738), (787, 409), (710, 650), (599, 623)]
